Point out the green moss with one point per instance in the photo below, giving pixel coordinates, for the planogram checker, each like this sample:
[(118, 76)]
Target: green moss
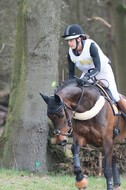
[(18, 73), (121, 9)]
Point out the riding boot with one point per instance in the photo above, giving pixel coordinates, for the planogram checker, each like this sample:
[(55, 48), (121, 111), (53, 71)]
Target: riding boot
[(122, 104)]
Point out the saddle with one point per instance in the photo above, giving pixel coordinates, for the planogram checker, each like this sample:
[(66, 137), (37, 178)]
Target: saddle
[(108, 95), (116, 111)]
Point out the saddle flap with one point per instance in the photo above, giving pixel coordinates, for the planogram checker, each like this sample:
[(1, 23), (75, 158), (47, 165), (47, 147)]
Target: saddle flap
[(108, 95)]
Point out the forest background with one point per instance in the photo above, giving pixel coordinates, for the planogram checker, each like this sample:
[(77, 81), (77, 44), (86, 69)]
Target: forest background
[(23, 24)]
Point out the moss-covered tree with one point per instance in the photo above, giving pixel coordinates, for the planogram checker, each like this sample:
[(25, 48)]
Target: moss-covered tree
[(24, 142)]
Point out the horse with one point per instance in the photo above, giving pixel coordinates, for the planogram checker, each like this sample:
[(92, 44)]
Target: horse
[(88, 115)]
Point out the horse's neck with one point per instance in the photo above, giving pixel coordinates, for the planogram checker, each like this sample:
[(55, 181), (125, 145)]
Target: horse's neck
[(71, 96)]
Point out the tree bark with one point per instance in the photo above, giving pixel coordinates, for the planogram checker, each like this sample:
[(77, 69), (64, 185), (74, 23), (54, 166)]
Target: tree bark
[(35, 68), (8, 12), (117, 12)]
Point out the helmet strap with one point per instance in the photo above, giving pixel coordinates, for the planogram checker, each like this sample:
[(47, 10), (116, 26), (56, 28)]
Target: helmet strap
[(77, 43), (82, 42)]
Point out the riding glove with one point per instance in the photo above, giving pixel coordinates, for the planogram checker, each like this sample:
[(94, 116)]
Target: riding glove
[(83, 80)]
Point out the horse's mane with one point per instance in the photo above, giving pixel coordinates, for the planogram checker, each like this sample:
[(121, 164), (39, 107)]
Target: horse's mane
[(64, 84)]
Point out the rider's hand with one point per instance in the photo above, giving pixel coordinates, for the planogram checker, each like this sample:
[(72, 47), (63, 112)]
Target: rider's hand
[(82, 81), (87, 76)]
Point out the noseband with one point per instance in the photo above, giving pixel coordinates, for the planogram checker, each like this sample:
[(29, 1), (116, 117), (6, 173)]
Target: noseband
[(68, 121)]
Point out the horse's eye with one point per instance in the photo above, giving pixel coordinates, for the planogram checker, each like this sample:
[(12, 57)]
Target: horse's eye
[(61, 116)]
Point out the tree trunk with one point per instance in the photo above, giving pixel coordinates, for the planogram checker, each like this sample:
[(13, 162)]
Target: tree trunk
[(8, 12), (117, 12), (35, 68)]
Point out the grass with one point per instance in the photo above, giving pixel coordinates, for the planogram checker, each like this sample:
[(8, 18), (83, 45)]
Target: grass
[(15, 180)]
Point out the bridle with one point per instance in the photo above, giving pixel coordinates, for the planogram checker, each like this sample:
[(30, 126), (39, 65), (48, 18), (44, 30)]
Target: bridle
[(68, 121)]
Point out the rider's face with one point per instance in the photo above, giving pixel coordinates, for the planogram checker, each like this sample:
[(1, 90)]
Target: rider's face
[(72, 43)]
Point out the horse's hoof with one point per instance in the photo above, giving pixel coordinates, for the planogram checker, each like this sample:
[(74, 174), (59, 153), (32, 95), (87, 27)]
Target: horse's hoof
[(82, 182), (116, 188), (109, 185)]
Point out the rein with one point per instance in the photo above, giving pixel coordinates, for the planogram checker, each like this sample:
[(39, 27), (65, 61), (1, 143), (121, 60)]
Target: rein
[(68, 133), (78, 102)]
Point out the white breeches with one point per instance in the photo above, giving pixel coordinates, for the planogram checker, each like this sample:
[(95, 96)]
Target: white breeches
[(106, 76)]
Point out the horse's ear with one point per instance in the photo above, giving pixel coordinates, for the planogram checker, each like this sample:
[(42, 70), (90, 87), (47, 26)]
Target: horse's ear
[(45, 98), (57, 98)]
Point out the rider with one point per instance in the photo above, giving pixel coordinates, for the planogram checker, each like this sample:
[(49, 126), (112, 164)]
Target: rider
[(87, 56)]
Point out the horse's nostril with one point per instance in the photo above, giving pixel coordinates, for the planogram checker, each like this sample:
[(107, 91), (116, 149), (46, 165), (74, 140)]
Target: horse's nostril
[(63, 143)]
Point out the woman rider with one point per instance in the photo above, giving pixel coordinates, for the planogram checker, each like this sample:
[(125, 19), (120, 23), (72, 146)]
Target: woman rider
[(87, 56)]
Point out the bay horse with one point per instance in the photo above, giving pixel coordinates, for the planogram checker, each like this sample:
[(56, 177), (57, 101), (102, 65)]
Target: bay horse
[(89, 114)]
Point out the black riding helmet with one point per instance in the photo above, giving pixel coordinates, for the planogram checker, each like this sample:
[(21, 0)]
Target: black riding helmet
[(73, 32)]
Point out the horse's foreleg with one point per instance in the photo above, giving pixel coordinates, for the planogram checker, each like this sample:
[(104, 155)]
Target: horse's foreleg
[(116, 178), (81, 180), (75, 151), (108, 163), (108, 174)]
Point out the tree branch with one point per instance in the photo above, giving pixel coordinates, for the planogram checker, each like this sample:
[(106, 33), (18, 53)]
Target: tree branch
[(100, 20)]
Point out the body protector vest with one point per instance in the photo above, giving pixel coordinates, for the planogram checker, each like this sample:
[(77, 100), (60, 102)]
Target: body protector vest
[(84, 61)]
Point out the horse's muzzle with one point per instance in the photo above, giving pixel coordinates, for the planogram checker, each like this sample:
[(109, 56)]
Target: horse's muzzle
[(63, 142)]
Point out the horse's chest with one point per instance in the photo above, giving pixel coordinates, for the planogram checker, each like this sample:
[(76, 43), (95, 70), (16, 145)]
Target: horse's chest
[(89, 135)]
